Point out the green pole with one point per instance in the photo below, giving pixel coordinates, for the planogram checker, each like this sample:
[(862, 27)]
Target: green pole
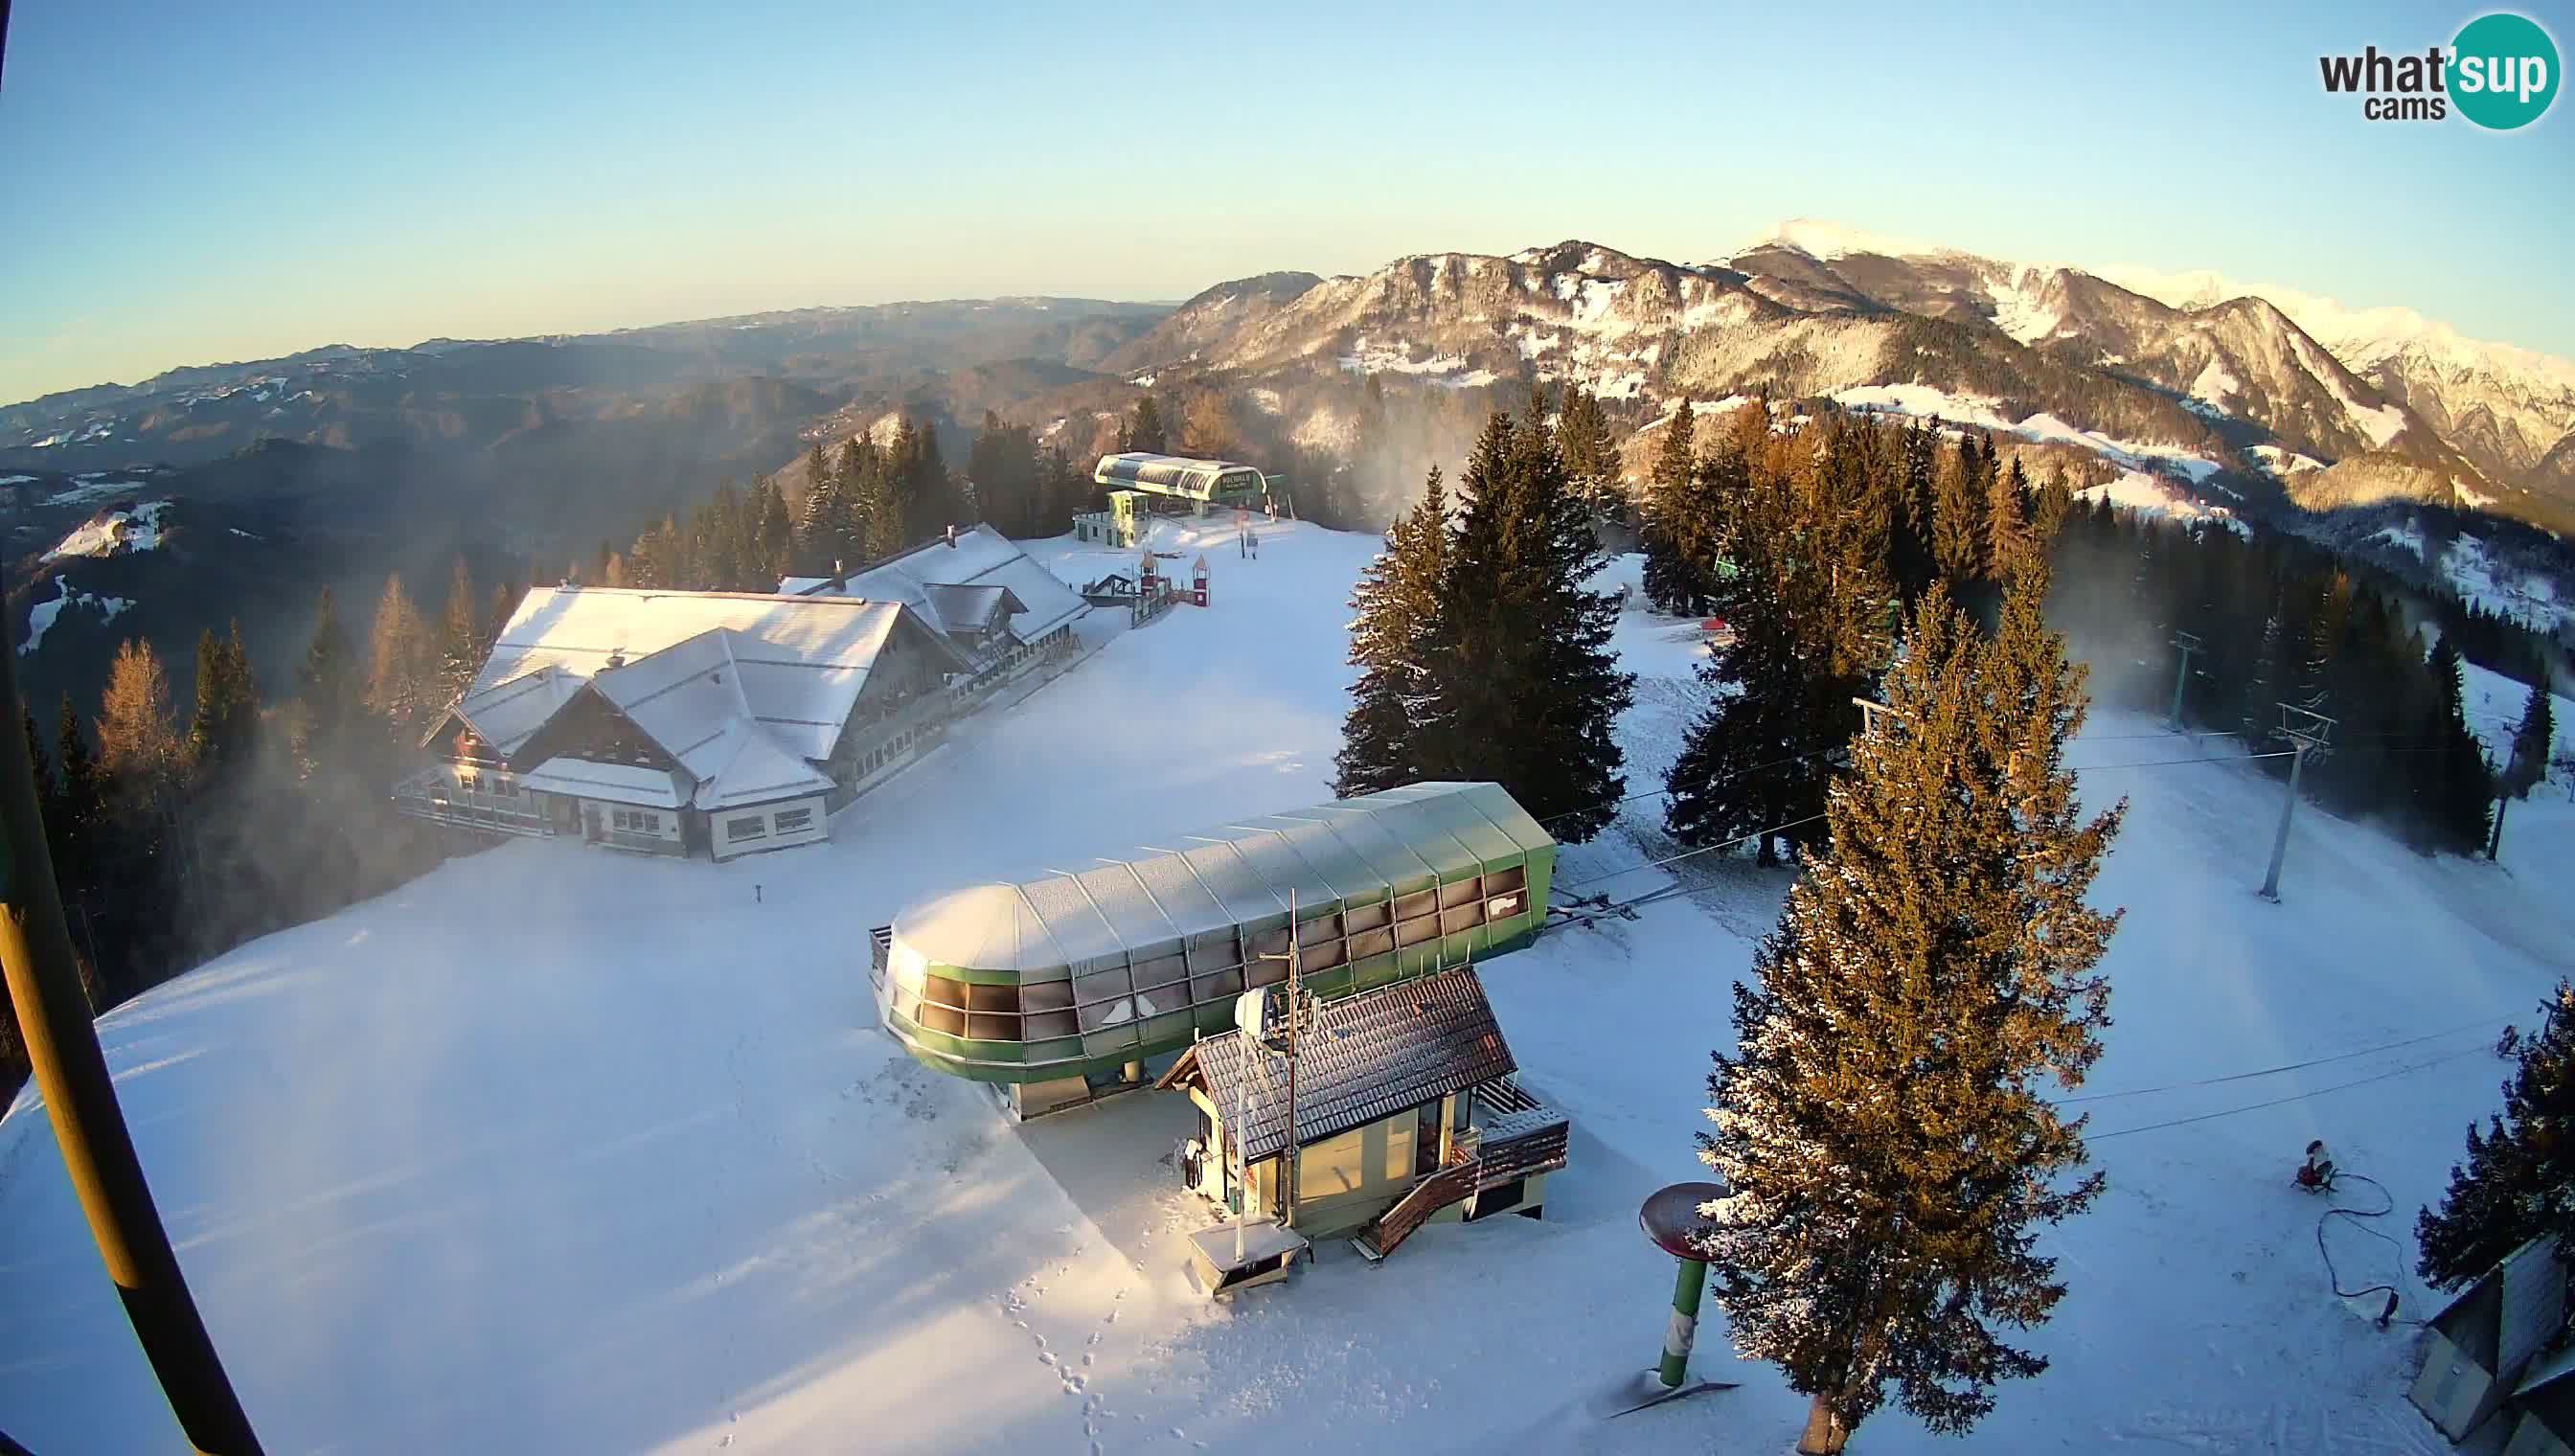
[(1684, 1325)]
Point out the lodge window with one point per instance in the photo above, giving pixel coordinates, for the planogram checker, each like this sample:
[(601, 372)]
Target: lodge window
[(793, 821), (749, 826), (636, 820)]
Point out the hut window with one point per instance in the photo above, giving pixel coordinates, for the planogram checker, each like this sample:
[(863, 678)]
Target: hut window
[(749, 826), (1420, 903), (1459, 891), (1334, 1165), (1315, 931), (790, 821), (1416, 930), (1465, 917), (1366, 918)]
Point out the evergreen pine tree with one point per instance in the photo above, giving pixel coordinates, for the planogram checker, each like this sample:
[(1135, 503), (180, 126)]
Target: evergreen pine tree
[(73, 807), (2007, 527), (2258, 710), (334, 690), (1958, 534), (222, 730), (1526, 643), (2519, 1180), (1396, 732), (1145, 428), (773, 534), (871, 521), (2531, 742), (1809, 606), (1673, 581), (1909, 552), (48, 791), (2461, 789), (1882, 1128), (1590, 456)]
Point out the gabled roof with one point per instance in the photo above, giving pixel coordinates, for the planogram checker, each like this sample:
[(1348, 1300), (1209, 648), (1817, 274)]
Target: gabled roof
[(971, 609), (750, 767), (799, 661), (980, 557), (505, 714), (1370, 1056)]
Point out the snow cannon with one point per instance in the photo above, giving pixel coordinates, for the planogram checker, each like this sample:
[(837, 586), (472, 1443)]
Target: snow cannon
[(1671, 1217)]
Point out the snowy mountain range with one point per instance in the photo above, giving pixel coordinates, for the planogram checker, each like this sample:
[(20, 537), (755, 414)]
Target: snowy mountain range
[(2272, 383)]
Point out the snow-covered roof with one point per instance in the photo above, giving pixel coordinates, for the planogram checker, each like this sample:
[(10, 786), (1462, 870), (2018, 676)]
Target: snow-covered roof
[(971, 609), (613, 783), (981, 558), (1174, 474), (1234, 877), (751, 767), (505, 714), (800, 660), (743, 691)]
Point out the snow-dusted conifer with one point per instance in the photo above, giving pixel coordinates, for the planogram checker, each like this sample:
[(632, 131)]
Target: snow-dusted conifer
[(2519, 1180), (1673, 578), (1882, 1126), (1527, 671), (1395, 730)]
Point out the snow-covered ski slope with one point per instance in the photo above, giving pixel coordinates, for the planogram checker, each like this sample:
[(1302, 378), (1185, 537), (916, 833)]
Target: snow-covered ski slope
[(556, 1151)]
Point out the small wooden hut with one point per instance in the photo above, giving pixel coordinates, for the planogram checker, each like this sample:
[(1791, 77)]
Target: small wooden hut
[(1405, 1113)]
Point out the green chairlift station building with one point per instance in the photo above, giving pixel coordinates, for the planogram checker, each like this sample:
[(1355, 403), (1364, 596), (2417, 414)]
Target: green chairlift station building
[(1061, 987)]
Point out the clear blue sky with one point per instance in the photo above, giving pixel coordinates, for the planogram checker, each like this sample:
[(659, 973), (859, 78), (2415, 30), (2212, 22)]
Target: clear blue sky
[(193, 182)]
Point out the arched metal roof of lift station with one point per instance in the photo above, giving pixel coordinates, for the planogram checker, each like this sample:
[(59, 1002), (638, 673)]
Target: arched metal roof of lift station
[(1205, 887)]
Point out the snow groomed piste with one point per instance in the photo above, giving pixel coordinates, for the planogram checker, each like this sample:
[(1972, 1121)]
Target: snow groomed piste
[(1061, 986)]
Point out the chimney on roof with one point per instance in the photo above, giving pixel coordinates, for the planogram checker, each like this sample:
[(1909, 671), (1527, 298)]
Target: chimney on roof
[(617, 658)]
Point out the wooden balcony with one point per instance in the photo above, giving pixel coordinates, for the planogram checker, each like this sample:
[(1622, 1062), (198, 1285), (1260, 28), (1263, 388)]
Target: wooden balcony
[(1523, 1141)]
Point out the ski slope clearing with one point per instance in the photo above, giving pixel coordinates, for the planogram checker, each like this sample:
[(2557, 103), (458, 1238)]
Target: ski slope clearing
[(560, 1150)]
